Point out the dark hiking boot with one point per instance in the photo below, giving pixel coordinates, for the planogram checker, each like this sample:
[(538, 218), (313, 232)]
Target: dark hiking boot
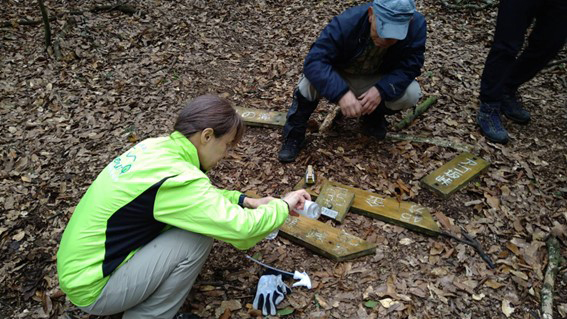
[(488, 120), (296, 126), (513, 108), (290, 148), (375, 124)]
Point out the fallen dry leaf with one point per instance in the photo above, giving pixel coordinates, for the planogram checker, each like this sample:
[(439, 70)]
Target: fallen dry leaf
[(19, 235), (506, 308), (519, 274), (493, 201), (322, 302), (123, 78), (478, 297), (388, 302), (562, 309), (493, 284)]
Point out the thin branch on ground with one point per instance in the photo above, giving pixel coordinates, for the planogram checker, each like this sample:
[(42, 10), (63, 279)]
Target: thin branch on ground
[(432, 140), (475, 244), (556, 62), (47, 27), (554, 263), (468, 6), (124, 8)]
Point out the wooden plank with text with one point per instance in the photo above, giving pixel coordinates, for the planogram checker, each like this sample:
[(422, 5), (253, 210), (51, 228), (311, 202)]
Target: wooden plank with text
[(406, 214), (325, 240), (455, 174), (257, 117), (336, 198)]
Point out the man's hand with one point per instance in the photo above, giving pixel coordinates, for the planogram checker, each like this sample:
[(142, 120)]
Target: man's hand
[(350, 105), (296, 199), (370, 100), (256, 202)]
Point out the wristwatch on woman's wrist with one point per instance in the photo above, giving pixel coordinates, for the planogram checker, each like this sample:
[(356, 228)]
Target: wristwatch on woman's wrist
[(241, 200)]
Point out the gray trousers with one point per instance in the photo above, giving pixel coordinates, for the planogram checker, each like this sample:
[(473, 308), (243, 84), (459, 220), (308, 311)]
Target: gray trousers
[(359, 84), (155, 282)]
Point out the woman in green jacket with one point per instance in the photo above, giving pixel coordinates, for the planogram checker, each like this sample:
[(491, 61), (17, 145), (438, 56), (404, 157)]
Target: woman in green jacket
[(141, 233)]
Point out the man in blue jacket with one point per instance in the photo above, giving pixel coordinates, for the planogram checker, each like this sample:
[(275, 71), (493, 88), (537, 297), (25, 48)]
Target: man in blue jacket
[(365, 60)]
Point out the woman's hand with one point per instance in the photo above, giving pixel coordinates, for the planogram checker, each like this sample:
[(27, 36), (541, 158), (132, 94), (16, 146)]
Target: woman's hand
[(256, 202), (296, 199)]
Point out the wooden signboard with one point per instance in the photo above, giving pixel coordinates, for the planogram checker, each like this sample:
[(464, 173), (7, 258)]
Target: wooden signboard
[(336, 198), (257, 117), (406, 214), (323, 239), (452, 176)]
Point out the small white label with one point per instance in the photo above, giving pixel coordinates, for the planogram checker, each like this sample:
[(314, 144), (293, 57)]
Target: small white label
[(330, 213)]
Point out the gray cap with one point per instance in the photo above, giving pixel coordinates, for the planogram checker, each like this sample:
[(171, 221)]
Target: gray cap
[(393, 17)]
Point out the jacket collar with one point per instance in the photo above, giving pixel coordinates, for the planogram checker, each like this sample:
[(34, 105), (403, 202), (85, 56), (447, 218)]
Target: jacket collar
[(187, 150)]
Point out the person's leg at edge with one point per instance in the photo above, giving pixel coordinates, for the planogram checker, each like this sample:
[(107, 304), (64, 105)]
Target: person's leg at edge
[(155, 282), (375, 124), (546, 39), (514, 18), (305, 100)]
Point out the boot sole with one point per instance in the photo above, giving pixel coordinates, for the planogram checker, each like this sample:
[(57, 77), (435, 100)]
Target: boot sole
[(516, 120), (495, 141)]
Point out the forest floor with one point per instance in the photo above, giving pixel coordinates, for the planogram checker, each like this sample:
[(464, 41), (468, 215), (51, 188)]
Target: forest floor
[(121, 78)]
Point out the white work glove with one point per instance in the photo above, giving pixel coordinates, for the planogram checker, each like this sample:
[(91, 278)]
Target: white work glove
[(270, 292)]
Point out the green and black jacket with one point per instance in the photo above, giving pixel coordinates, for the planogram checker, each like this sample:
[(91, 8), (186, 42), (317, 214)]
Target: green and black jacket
[(152, 187)]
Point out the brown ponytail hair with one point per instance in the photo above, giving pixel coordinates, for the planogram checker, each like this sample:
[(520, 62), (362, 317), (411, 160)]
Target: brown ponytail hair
[(209, 111)]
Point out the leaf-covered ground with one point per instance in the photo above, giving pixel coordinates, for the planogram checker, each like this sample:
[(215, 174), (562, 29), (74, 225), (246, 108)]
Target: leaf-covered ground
[(122, 78)]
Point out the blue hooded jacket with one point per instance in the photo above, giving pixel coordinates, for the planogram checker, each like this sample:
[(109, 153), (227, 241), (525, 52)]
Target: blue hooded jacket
[(345, 38)]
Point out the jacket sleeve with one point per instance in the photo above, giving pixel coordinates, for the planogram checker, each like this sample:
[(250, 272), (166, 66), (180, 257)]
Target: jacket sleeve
[(232, 196), (318, 65), (195, 205), (394, 83)]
